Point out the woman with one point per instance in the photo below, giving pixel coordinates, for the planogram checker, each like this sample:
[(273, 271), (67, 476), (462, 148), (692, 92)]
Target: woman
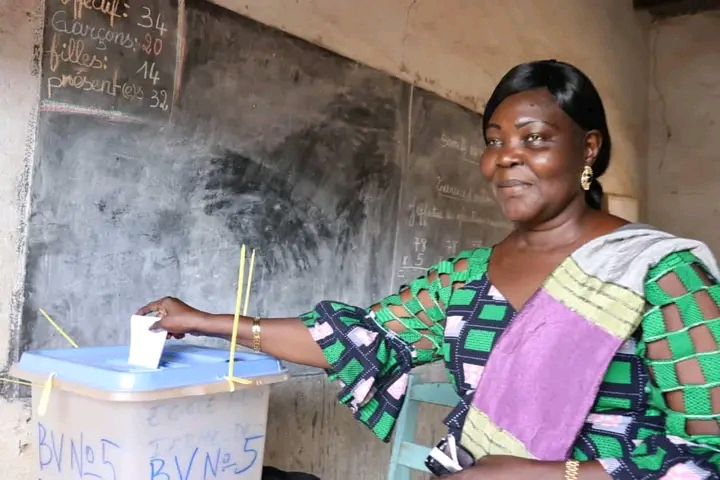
[(582, 346)]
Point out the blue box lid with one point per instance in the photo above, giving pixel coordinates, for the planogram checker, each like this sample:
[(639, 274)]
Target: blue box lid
[(181, 365)]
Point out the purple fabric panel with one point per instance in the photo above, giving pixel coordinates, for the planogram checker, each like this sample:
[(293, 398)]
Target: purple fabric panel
[(543, 375)]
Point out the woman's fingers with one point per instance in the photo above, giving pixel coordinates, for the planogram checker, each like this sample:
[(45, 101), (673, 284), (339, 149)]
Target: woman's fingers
[(149, 308), (161, 306)]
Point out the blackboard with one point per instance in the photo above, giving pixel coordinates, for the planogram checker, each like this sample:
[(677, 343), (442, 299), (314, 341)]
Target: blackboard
[(112, 57), (307, 156), (445, 204), (274, 143)]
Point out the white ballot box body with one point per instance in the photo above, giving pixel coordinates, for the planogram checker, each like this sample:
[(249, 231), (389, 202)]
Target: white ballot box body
[(107, 420)]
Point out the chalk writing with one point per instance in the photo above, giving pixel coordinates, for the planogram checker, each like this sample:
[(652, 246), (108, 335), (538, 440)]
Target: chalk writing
[(73, 52), (152, 45), (421, 252), (416, 215), (101, 36), (461, 145), (420, 247), (148, 20), (160, 100), (444, 198), (111, 55), (417, 258), (148, 71), (111, 87), (77, 456), (208, 463), (109, 8), (420, 212), (468, 194), (451, 247)]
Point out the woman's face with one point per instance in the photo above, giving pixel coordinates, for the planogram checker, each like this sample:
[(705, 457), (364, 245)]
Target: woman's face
[(535, 156)]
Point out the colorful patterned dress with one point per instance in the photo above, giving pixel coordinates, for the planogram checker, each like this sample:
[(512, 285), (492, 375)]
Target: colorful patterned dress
[(631, 430)]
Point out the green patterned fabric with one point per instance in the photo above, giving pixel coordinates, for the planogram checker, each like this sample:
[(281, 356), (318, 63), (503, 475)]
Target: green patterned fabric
[(697, 398), (454, 314)]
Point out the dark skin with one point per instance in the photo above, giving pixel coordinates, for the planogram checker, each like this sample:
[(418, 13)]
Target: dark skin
[(534, 159)]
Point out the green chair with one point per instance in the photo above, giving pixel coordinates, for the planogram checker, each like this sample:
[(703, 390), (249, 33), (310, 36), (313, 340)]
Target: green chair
[(406, 454)]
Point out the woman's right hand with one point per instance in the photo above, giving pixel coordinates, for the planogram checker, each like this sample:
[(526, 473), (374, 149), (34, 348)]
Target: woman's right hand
[(283, 338), (176, 317)]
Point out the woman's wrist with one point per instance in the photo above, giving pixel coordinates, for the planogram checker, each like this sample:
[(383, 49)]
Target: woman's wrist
[(221, 325)]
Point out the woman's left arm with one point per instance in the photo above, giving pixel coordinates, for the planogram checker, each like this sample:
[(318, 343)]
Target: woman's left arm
[(501, 467), (681, 348)]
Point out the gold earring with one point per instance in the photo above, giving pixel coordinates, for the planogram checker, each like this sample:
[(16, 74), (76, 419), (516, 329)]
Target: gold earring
[(586, 177)]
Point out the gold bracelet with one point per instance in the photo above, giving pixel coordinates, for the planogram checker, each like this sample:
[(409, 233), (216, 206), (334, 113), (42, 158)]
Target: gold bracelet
[(256, 334), (572, 470)]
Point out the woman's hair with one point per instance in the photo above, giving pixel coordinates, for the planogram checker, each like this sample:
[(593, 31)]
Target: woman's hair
[(574, 93)]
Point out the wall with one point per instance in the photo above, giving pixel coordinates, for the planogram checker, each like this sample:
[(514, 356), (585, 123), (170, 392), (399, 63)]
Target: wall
[(459, 50), (684, 159), (19, 26)]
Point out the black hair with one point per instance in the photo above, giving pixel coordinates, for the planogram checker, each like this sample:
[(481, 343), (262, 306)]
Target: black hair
[(574, 93)]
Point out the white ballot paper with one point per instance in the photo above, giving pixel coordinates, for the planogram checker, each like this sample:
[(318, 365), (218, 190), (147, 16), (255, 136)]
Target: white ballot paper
[(146, 347)]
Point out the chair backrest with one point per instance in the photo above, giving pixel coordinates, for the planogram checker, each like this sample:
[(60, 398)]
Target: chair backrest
[(406, 454)]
